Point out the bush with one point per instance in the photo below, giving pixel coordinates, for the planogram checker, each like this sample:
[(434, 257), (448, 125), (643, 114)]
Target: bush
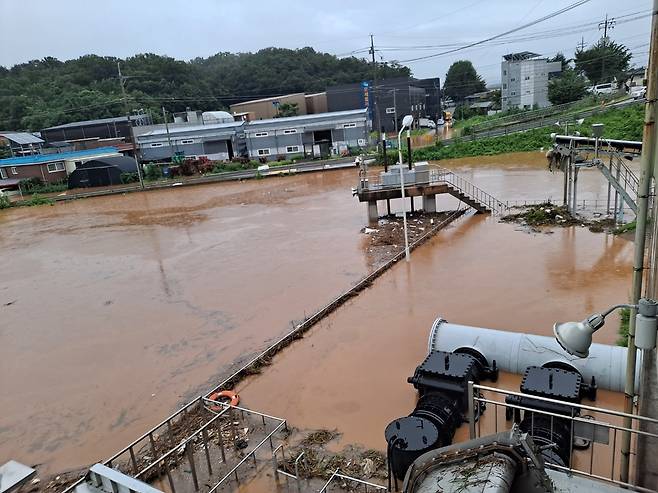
[(153, 172), (36, 185), (129, 177), (37, 199), (4, 201)]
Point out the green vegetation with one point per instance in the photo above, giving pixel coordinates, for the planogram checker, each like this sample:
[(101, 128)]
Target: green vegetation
[(288, 109), (625, 228), (153, 172), (4, 201), (46, 92), (223, 167), (570, 86), (462, 80), (36, 185), (625, 318), (604, 61), (37, 199), (625, 123), (128, 177)]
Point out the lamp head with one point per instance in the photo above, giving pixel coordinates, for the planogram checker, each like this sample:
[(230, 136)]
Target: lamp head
[(576, 337), (407, 121)]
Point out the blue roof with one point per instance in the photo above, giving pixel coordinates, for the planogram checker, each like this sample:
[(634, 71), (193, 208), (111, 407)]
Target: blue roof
[(60, 156)]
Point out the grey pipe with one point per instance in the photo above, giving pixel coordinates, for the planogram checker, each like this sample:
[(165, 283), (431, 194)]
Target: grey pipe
[(515, 351)]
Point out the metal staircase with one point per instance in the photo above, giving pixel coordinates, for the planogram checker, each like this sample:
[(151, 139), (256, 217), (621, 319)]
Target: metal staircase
[(622, 179), (468, 193)]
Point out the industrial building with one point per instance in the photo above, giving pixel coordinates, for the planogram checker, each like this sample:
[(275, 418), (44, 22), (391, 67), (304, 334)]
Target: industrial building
[(50, 168), (320, 135), (317, 135), (390, 100), (104, 128), (269, 107), (525, 78), (217, 142)]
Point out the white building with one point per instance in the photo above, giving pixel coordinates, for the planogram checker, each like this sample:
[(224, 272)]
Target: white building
[(524, 78)]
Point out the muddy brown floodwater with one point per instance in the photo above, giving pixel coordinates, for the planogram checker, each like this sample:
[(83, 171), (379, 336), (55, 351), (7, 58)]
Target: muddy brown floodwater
[(114, 310)]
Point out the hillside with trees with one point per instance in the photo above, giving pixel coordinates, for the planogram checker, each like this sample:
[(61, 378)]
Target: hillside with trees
[(47, 92)]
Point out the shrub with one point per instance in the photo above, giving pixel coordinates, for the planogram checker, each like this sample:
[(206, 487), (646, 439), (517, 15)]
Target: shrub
[(129, 177), (36, 185), (4, 201), (37, 199), (153, 172)]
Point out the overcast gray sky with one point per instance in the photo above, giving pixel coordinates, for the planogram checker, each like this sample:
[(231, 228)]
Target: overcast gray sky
[(31, 29)]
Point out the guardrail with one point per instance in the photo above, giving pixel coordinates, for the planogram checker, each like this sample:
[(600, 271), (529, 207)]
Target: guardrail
[(599, 428), (360, 484)]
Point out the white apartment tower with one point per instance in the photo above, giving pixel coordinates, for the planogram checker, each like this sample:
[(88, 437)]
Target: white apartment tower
[(524, 78)]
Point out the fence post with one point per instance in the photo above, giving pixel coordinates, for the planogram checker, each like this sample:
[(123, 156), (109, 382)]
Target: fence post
[(471, 410)]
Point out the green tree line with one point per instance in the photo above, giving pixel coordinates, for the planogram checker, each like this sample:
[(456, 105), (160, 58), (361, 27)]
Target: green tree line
[(47, 92)]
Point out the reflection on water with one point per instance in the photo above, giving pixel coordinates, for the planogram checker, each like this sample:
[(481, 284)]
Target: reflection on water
[(115, 309)]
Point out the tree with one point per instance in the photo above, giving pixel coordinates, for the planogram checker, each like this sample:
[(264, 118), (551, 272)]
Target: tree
[(288, 109), (604, 61), (559, 57), (462, 80), (570, 86)]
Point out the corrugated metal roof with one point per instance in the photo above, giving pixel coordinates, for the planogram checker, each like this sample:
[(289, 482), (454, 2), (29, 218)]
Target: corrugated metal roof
[(22, 138), (175, 130), (291, 121), (60, 156), (97, 122)]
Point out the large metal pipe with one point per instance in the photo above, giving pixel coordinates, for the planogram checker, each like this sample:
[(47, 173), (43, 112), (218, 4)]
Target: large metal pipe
[(515, 351)]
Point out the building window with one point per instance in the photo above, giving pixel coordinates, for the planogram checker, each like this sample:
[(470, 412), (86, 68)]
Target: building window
[(390, 111), (527, 92), (513, 93), (289, 131), (55, 167), (349, 125), (261, 134), (3, 174), (504, 72), (187, 141), (13, 171), (157, 144), (512, 79), (527, 77), (504, 86), (292, 149), (263, 152)]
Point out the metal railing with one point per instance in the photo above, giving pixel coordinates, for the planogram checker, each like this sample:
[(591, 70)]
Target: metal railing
[(469, 190), (438, 175), (357, 484), (600, 428)]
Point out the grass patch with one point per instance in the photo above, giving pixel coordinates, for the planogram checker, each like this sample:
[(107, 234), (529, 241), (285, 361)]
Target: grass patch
[(37, 199), (625, 228)]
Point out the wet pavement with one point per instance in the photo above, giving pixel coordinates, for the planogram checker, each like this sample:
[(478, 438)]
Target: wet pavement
[(116, 309)]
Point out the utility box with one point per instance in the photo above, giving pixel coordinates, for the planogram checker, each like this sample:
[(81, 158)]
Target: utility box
[(422, 173)]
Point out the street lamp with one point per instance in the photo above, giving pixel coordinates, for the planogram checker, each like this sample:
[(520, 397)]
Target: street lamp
[(406, 123), (576, 337)]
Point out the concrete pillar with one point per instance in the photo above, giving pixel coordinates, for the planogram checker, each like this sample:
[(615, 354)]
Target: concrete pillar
[(429, 203), (373, 215)]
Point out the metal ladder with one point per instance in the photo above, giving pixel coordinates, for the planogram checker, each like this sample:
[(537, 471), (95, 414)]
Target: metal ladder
[(468, 193), (622, 179)]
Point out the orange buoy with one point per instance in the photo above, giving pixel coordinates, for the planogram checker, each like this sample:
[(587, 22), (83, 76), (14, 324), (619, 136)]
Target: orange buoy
[(226, 397)]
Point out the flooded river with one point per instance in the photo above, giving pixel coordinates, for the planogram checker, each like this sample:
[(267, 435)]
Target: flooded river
[(114, 310)]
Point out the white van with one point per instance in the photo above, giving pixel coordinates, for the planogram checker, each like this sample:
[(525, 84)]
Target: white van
[(607, 88)]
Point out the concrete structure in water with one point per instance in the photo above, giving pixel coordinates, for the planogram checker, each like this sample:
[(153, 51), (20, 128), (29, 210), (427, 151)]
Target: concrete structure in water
[(524, 79)]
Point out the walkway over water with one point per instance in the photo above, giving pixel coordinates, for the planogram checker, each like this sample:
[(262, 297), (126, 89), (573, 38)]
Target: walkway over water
[(423, 180)]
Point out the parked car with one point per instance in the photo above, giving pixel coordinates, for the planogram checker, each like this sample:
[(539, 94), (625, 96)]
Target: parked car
[(607, 88), (638, 92), (426, 123)]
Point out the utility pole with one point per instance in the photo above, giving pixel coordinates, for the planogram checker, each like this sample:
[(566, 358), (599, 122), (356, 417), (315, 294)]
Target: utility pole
[(646, 173), (581, 46), (605, 25), (375, 89), (122, 79), (164, 115)]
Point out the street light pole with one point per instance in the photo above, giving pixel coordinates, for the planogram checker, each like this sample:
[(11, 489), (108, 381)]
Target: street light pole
[(646, 173), (406, 122)]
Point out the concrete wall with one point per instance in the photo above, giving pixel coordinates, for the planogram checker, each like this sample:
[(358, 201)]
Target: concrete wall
[(316, 103), (268, 108)]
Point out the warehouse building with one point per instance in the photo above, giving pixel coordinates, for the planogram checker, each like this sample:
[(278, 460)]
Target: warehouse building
[(320, 135), (217, 142), (104, 128), (269, 107), (21, 143)]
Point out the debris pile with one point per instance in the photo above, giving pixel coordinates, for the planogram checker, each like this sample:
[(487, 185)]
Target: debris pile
[(549, 214)]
